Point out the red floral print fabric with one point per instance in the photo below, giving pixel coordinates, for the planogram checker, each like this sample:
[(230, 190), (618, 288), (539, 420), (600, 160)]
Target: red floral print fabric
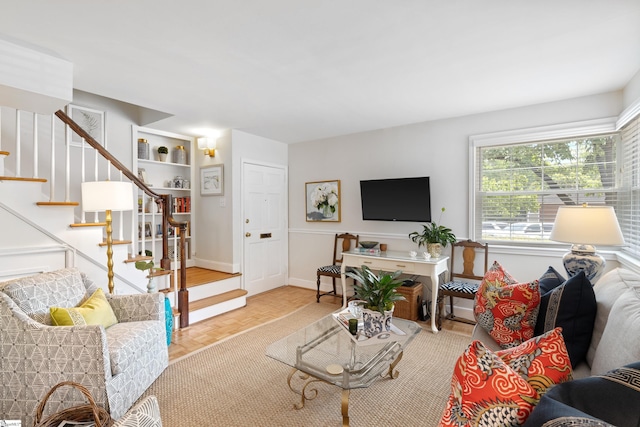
[(507, 310)]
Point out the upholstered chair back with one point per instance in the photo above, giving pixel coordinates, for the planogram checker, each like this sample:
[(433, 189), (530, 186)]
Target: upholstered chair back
[(61, 288)]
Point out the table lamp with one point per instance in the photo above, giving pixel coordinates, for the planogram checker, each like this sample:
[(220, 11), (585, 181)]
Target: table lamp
[(585, 226), (107, 196)]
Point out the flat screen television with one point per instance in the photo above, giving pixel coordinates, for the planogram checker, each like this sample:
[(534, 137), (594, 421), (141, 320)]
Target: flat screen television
[(398, 199)]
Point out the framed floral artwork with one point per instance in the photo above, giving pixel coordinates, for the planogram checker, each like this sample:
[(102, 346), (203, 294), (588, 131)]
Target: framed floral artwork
[(323, 201), (92, 121)]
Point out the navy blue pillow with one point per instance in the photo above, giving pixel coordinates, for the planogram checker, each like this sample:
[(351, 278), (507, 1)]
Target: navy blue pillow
[(550, 279), (571, 306), (605, 400)]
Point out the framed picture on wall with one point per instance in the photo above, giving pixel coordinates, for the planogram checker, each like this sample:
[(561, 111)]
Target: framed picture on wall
[(92, 121), (212, 180), (322, 201), (147, 230)]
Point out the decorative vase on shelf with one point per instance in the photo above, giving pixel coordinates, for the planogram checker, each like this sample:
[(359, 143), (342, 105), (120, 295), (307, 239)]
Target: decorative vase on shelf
[(375, 322), (162, 157), (434, 249), (143, 149), (180, 155)]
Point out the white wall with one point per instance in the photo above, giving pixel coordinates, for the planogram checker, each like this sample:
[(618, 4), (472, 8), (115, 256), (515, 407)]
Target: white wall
[(212, 220), (632, 91), (438, 149)]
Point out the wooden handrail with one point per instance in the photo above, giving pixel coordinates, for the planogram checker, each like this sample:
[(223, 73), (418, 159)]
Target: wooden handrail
[(165, 201)]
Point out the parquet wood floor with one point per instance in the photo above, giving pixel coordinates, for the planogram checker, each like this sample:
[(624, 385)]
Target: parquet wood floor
[(260, 309)]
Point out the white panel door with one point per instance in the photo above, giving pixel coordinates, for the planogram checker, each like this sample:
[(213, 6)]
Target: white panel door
[(264, 228)]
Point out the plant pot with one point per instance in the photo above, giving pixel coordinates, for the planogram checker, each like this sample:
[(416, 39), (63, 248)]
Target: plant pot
[(162, 157), (375, 322), (434, 249)]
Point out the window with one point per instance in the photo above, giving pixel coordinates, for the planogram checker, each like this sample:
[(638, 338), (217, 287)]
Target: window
[(629, 207), (521, 179)]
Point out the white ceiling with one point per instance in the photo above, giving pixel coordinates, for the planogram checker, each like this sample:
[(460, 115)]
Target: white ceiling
[(298, 70)]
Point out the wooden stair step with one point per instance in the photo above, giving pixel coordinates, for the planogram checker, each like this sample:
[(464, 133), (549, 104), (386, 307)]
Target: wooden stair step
[(116, 242), (88, 224), (197, 276), (17, 178), (138, 258), (216, 299), (57, 203), (159, 273)]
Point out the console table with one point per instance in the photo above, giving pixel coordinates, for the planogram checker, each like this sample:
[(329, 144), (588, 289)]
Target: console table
[(396, 260)]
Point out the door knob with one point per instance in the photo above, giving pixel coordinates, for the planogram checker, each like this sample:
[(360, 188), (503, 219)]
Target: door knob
[(247, 234)]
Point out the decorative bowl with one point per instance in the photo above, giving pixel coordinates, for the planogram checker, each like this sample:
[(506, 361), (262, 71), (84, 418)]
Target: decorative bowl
[(368, 244)]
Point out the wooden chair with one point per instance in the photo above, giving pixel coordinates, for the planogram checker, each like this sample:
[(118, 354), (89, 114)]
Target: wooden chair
[(458, 285), (343, 242)]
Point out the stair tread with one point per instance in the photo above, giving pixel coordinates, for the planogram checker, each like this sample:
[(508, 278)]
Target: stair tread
[(159, 273), (197, 276), (17, 178), (116, 242), (88, 224), (57, 203), (138, 258), (216, 299)]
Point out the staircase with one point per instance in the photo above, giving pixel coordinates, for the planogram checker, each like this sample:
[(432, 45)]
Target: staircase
[(34, 218)]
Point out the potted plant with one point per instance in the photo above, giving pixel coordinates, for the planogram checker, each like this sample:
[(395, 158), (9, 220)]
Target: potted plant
[(148, 265), (434, 236), (379, 295), (162, 153)]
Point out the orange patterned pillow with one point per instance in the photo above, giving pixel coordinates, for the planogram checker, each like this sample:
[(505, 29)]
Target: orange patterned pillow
[(505, 309), (543, 361), (485, 391)]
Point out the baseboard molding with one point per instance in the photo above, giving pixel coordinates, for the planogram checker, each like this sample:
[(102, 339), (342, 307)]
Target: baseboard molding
[(218, 266), (464, 312)]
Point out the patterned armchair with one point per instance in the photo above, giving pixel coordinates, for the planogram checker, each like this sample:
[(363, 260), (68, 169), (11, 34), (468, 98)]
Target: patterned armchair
[(116, 364)]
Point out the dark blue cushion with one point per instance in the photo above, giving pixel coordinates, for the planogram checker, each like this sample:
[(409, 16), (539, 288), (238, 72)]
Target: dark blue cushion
[(550, 279), (606, 399), (571, 306)]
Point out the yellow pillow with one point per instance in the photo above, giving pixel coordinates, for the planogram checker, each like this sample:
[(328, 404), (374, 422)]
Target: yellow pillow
[(94, 311)]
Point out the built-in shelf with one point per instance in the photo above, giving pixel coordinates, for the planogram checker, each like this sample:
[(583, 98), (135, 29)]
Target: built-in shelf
[(160, 177)]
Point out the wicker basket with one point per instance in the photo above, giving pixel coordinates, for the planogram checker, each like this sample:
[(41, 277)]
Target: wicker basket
[(87, 412), (409, 309)]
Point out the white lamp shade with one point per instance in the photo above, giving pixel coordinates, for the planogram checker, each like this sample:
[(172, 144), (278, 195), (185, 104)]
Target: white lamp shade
[(99, 196), (587, 225), (206, 143)]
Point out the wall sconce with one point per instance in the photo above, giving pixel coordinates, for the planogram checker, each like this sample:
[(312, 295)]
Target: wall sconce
[(207, 144)]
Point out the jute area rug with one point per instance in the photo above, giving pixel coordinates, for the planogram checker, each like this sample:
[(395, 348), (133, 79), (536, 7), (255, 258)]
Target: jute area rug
[(233, 383)]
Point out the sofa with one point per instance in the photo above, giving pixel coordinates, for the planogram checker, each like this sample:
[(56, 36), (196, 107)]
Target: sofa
[(115, 363), (613, 351)]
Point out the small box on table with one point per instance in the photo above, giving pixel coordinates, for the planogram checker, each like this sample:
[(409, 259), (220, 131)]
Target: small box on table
[(409, 309)]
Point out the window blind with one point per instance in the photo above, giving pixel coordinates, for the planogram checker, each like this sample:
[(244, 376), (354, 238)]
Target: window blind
[(519, 187), (629, 205)]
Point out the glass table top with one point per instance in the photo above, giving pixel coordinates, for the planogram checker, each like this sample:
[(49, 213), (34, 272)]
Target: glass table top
[(326, 350)]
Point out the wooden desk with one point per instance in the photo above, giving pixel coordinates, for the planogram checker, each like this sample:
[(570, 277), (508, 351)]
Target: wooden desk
[(395, 260)]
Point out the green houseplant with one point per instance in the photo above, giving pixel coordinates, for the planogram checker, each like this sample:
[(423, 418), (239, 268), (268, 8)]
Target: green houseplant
[(434, 237), (162, 153), (148, 265), (379, 295)]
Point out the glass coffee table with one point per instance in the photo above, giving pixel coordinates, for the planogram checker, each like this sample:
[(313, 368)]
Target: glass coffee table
[(325, 351)]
